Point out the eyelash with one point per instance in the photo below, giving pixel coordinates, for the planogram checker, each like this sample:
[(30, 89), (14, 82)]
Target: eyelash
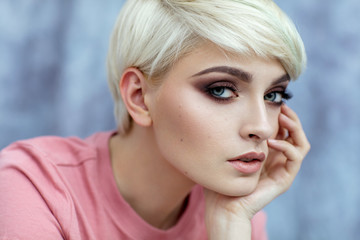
[(224, 86), (285, 95)]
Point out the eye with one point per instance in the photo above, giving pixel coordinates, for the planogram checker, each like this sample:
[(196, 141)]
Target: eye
[(222, 92), (277, 97), (273, 97)]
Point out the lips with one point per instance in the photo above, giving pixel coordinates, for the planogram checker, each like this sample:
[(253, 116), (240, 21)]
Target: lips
[(248, 163), (247, 157)]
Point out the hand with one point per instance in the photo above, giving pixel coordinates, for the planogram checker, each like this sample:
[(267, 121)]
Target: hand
[(286, 154)]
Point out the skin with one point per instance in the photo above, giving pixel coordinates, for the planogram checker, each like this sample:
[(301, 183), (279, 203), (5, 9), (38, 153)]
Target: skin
[(209, 108)]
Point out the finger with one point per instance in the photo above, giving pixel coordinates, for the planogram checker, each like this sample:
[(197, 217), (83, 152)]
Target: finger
[(293, 155), (294, 129), (290, 113), (275, 158), (289, 150), (282, 134), (291, 122)]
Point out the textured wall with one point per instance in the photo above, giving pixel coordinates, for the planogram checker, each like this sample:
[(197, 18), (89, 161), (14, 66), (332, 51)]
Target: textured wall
[(53, 81), (52, 67), (324, 201)]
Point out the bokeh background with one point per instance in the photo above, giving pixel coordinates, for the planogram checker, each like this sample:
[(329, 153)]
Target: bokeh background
[(53, 82)]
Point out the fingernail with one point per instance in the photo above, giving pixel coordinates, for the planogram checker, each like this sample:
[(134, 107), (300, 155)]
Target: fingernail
[(271, 140)]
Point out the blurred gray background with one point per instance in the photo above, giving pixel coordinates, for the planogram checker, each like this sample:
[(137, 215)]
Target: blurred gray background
[(53, 82)]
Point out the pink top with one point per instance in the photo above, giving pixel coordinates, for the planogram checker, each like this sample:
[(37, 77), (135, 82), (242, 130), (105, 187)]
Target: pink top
[(63, 188)]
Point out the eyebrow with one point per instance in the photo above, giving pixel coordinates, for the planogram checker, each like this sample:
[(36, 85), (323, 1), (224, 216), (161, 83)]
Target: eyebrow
[(283, 78), (240, 74)]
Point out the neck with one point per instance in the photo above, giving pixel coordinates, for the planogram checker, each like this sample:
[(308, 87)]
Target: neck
[(153, 187)]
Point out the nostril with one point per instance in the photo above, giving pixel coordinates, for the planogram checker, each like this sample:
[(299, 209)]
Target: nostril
[(252, 135)]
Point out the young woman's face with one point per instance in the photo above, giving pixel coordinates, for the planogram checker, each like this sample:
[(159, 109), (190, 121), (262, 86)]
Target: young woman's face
[(213, 114)]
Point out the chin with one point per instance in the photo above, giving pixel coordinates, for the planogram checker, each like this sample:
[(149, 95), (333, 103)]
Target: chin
[(240, 188), (240, 192)]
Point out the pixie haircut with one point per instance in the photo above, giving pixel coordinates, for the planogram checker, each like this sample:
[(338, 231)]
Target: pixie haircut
[(152, 35)]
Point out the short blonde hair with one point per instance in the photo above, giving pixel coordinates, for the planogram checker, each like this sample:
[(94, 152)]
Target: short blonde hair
[(152, 35)]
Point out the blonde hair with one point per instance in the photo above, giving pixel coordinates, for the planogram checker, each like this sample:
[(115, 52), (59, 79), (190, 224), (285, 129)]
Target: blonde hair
[(152, 35)]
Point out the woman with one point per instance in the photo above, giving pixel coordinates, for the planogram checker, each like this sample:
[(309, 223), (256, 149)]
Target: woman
[(204, 139)]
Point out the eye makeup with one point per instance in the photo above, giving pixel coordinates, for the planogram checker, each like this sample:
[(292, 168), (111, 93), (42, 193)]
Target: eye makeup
[(278, 97), (221, 90), (226, 88)]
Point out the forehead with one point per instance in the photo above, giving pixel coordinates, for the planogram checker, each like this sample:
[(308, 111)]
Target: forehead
[(209, 56)]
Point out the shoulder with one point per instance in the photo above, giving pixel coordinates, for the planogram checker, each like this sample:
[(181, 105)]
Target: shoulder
[(52, 149), (48, 162), (36, 174), (41, 160)]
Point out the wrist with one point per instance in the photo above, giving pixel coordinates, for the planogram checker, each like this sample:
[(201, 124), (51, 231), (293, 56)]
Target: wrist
[(228, 228)]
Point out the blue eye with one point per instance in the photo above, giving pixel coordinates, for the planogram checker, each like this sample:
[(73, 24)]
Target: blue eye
[(221, 92), (273, 97), (277, 97)]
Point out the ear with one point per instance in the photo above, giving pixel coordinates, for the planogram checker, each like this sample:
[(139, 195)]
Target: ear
[(133, 87)]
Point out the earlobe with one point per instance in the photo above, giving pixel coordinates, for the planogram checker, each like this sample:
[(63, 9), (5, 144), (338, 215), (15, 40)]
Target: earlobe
[(133, 88)]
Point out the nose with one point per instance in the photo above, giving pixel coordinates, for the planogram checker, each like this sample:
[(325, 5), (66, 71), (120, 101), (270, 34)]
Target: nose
[(256, 124)]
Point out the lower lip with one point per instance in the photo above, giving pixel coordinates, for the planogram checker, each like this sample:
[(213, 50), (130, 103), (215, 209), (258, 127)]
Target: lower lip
[(246, 167)]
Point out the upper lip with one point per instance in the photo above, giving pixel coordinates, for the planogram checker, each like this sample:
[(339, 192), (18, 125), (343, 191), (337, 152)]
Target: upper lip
[(250, 156)]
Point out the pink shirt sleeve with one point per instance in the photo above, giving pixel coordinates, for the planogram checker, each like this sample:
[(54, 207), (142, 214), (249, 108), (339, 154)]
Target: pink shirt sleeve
[(259, 226), (24, 214)]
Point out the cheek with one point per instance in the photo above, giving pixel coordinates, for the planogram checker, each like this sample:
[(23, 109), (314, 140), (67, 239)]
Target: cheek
[(178, 121), (274, 118), (186, 131)]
